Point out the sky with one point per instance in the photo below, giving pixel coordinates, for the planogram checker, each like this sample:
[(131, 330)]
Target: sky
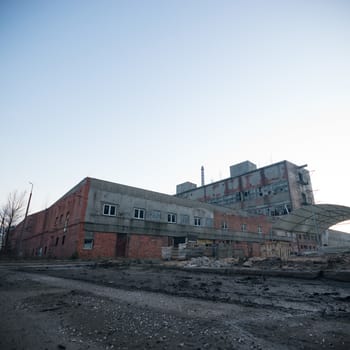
[(145, 92)]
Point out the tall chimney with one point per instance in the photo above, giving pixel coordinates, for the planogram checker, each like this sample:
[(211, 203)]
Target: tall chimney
[(202, 175)]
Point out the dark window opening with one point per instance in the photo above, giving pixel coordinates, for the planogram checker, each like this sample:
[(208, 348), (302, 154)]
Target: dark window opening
[(179, 240), (304, 199), (197, 221), (172, 218), (88, 243), (139, 213), (109, 210)]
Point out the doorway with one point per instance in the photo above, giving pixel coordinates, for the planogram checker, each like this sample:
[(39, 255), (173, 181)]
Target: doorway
[(121, 245)]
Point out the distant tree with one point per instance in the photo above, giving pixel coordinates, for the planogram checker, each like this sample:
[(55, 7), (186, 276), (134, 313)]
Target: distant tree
[(11, 212)]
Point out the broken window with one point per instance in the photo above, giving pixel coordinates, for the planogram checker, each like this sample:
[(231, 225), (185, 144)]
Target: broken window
[(89, 240), (88, 243)]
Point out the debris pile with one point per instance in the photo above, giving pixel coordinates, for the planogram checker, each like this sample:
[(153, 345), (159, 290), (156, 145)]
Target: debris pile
[(204, 261)]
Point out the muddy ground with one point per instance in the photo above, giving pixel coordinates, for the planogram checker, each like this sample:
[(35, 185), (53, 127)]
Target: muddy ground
[(135, 306)]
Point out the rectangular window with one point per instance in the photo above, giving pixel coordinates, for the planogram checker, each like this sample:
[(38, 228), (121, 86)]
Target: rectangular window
[(260, 229), (197, 221), (109, 210), (88, 240), (63, 239), (172, 218), (88, 243), (155, 215), (185, 219), (243, 227), (224, 225), (139, 213), (209, 222), (66, 222)]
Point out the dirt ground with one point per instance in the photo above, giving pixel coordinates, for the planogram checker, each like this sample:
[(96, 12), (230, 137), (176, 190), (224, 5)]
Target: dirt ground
[(135, 306)]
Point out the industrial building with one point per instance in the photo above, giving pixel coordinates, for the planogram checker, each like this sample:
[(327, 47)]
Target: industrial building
[(255, 212), (273, 190), (103, 219)]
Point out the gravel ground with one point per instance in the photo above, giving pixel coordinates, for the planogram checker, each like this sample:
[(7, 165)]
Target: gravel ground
[(147, 307)]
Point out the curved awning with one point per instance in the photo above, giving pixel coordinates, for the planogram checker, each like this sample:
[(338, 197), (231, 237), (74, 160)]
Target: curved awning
[(312, 218)]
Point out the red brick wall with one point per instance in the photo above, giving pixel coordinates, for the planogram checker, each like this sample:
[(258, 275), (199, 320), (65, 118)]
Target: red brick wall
[(146, 247), (63, 218), (104, 246), (234, 222)]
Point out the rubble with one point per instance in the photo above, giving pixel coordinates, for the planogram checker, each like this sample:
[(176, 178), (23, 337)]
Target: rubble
[(148, 307), (204, 261)]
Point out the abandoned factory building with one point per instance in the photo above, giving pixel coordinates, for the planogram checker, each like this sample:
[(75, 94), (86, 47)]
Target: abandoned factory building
[(241, 215), (273, 190)]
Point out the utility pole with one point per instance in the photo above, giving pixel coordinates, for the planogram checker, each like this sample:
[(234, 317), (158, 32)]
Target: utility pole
[(20, 253), (2, 230)]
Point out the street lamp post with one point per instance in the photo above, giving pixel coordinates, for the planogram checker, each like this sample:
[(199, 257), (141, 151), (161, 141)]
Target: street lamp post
[(20, 253)]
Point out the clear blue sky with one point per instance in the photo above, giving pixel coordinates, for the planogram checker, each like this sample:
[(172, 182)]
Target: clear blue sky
[(145, 92)]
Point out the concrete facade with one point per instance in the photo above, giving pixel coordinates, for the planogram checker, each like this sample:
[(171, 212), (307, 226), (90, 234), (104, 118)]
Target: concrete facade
[(98, 219), (273, 190)]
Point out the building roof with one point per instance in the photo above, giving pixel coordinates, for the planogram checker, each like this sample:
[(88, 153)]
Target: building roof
[(312, 218)]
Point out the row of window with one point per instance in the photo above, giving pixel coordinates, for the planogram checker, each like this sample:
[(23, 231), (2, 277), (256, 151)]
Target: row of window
[(39, 251), (60, 219), (306, 236), (283, 209), (244, 227), (308, 247), (140, 213), (247, 195)]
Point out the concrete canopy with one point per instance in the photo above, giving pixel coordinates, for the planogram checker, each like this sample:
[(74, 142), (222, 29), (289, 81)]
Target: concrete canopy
[(313, 219)]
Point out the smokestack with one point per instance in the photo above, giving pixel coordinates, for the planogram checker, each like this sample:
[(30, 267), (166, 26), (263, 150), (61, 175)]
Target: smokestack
[(202, 175)]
